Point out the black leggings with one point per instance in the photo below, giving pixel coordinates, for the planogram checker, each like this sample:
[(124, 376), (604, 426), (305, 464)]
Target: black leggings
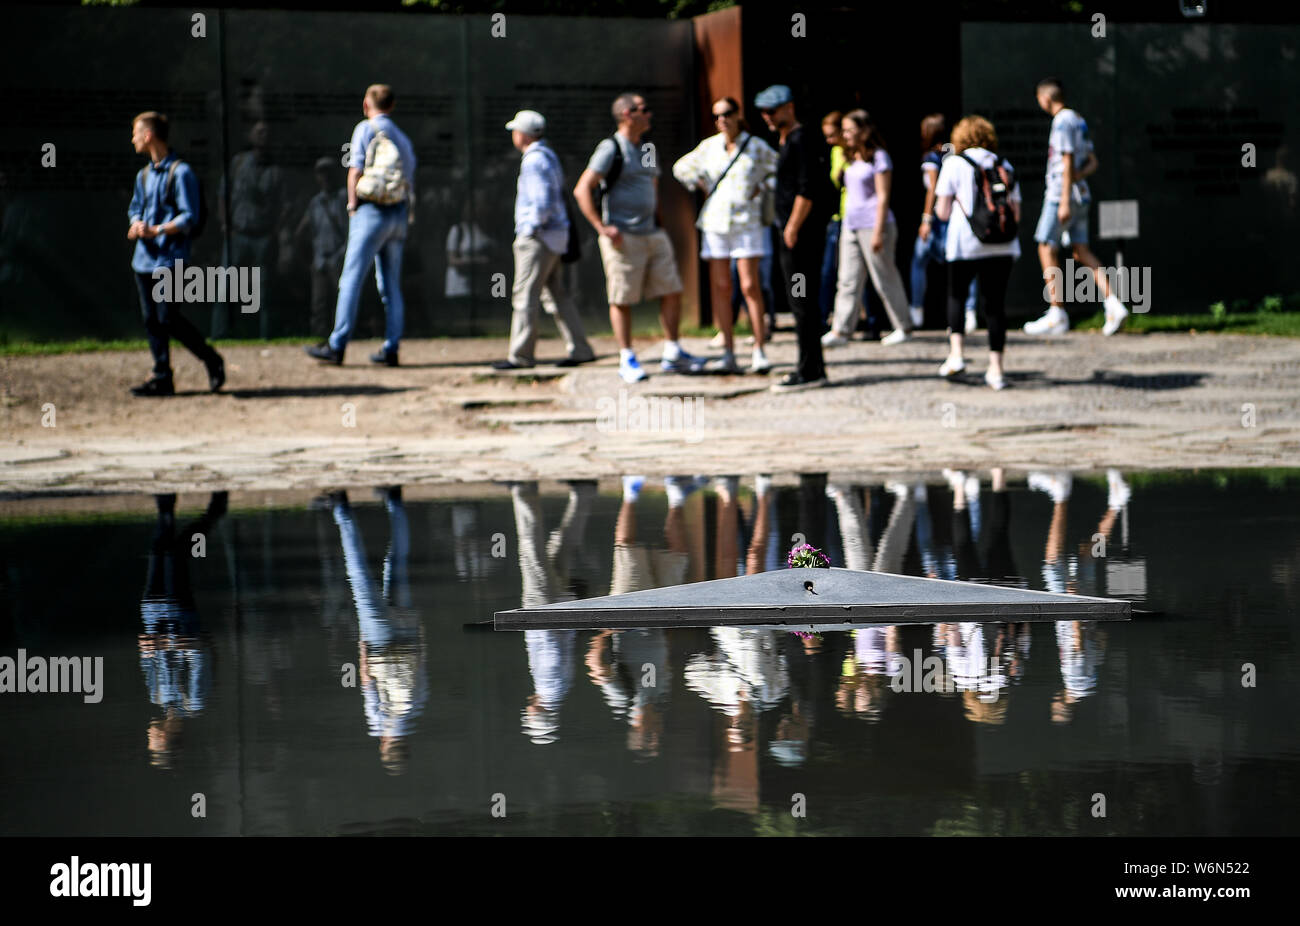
[(993, 273)]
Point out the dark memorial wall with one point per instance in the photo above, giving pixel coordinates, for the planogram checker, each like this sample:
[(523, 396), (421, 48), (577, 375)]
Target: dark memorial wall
[(257, 101), (1169, 108)]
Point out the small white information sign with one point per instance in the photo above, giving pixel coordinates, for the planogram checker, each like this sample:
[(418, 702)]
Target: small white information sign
[(1118, 218)]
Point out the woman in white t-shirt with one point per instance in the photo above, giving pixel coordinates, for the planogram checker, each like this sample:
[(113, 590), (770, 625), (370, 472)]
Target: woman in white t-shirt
[(968, 257)]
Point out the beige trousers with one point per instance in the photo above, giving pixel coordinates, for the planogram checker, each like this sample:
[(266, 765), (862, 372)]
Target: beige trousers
[(857, 262)]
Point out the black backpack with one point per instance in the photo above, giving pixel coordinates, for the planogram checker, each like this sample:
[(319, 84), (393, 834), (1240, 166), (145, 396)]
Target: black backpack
[(991, 218), (573, 247), (200, 221)]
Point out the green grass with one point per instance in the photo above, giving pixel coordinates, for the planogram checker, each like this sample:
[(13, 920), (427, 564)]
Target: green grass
[(81, 345), (1277, 324), (1269, 323)]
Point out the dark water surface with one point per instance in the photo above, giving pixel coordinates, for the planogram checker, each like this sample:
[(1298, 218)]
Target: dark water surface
[(313, 672)]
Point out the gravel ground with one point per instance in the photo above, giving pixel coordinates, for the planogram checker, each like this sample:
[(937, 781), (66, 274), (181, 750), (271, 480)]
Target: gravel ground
[(283, 421)]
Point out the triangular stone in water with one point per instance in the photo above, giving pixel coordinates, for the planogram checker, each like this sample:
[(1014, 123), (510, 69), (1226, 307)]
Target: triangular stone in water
[(798, 597)]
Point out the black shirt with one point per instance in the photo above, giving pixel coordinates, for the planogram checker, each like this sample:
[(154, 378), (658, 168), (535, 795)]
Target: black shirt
[(804, 169)]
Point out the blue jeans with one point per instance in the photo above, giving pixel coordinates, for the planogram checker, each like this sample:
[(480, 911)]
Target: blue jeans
[(830, 270), (375, 234), (924, 252)]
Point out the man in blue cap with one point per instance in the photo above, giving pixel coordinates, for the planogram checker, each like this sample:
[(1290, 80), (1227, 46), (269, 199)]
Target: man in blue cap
[(805, 200)]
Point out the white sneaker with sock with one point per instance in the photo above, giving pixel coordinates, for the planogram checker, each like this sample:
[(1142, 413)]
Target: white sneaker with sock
[(1053, 322), (1115, 315)]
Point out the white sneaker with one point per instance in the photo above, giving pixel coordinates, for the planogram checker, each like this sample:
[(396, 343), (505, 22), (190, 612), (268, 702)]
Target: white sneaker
[(897, 336), (1115, 315), (834, 339), (1053, 322), (918, 316), (996, 381), (631, 371), (1056, 485), (1120, 492), (971, 322), (759, 363), (724, 364), (952, 366), (956, 480)]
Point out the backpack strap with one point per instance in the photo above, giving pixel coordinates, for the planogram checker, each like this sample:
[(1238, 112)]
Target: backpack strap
[(748, 138), (616, 167), (171, 172), (979, 172)]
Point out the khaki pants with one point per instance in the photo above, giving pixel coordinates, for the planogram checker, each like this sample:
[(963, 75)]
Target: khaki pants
[(857, 261), (538, 278)]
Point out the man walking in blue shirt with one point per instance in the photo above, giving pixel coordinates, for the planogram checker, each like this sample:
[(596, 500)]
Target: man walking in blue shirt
[(164, 211), (381, 193), (541, 238)]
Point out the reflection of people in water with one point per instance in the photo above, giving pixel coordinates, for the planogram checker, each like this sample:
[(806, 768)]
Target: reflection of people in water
[(636, 567), (545, 567), (748, 667), (469, 249), (630, 667), (1081, 645), (1061, 573), (393, 650), (174, 656), (866, 672), (1281, 180), (325, 223), (898, 530), (762, 549), (746, 675), (259, 210), (550, 662)]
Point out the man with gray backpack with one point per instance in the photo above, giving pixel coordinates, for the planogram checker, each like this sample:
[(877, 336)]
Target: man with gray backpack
[(381, 194)]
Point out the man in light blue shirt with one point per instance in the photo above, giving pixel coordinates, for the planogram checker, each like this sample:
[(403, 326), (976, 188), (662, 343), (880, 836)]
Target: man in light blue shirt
[(541, 238), (376, 234)]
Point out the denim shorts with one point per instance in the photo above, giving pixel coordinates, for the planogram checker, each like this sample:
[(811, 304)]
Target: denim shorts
[(1049, 228)]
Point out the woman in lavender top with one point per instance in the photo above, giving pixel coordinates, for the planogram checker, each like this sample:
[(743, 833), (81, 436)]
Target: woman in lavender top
[(869, 234)]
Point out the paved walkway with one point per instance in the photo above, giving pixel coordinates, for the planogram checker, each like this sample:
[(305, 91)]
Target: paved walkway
[(1082, 402)]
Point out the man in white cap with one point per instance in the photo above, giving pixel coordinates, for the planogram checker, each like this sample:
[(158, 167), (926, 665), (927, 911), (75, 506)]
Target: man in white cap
[(541, 238)]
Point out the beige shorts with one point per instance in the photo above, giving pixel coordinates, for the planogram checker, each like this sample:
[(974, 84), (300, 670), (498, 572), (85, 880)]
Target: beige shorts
[(638, 568), (643, 268)]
